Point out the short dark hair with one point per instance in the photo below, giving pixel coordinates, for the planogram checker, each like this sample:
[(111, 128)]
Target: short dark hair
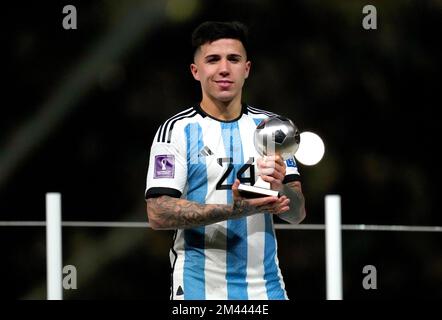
[(210, 31)]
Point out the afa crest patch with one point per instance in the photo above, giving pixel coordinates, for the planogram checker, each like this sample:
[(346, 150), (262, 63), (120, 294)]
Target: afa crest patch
[(290, 163)]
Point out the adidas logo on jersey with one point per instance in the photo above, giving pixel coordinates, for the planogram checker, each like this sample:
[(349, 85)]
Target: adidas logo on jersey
[(204, 152)]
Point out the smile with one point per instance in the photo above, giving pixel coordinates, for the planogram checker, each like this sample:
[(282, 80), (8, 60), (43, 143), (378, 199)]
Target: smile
[(224, 81)]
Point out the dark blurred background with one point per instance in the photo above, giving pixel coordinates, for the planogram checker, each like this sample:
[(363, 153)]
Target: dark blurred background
[(80, 108)]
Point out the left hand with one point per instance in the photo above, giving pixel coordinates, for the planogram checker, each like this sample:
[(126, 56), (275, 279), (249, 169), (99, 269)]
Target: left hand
[(272, 169)]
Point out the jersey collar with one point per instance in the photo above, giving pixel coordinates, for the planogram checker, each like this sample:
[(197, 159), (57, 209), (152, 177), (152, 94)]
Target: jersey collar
[(199, 110)]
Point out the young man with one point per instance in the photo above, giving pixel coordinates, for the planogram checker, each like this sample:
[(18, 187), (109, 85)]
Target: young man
[(224, 245)]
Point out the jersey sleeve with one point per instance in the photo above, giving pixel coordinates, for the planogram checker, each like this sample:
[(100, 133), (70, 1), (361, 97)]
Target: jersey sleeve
[(291, 173), (167, 171)]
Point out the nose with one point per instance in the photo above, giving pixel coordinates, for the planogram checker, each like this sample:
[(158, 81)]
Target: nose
[(224, 69)]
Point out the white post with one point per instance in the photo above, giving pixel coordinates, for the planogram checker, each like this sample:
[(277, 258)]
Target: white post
[(53, 247), (333, 247)]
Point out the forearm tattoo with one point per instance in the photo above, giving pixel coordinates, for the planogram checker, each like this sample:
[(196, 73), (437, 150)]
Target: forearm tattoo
[(242, 208), (174, 213), (297, 203), (293, 192)]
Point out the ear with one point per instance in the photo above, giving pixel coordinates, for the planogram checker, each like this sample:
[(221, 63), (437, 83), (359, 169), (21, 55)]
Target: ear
[(194, 70), (247, 70)]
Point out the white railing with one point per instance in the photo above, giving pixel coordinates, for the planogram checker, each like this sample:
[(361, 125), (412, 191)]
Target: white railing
[(332, 227)]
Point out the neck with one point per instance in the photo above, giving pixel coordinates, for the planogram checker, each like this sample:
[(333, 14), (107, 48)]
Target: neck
[(225, 111)]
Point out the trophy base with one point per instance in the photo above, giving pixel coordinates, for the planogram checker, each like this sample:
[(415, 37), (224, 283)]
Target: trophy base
[(247, 191)]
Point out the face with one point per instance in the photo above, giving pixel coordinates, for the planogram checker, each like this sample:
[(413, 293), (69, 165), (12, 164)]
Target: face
[(221, 67)]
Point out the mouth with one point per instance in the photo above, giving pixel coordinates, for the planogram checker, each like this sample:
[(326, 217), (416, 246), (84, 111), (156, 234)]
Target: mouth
[(224, 81), (224, 84)]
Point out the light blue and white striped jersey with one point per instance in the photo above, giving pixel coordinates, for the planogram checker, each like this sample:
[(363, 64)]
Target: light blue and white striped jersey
[(197, 157)]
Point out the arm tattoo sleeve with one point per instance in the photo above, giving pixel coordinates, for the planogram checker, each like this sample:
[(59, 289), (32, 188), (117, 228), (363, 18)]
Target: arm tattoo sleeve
[(173, 213), (297, 203)]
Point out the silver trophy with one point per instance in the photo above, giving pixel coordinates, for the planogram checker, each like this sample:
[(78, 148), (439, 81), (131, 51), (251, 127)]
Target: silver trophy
[(275, 135)]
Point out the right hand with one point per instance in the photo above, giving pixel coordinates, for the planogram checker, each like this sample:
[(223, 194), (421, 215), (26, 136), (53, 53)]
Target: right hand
[(273, 205)]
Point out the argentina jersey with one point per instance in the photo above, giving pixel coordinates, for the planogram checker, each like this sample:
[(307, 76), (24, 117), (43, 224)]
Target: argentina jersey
[(198, 158)]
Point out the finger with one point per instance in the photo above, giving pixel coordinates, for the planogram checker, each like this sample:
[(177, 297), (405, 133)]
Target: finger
[(268, 178), (280, 167), (283, 201), (271, 158), (235, 189), (266, 171), (277, 210), (268, 164), (278, 175), (271, 172), (283, 209), (283, 206), (286, 203), (273, 180), (261, 202), (269, 167), (276, 158), (279, 160)]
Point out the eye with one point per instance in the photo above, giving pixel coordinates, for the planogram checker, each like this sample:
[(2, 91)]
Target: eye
[(212, 59), (234, 58)]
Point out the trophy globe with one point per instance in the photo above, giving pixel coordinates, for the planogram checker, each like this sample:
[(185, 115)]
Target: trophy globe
[(275, 135)]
